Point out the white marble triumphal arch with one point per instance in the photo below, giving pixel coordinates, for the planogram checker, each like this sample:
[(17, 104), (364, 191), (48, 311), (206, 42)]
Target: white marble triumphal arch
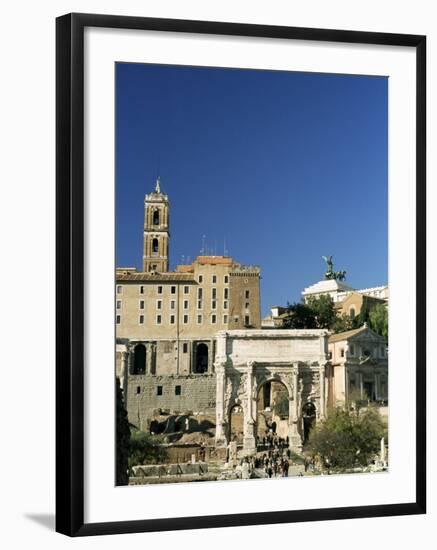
[(247, 359)]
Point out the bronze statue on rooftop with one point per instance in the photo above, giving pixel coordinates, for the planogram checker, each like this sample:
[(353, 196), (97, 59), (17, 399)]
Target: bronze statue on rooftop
[(330, 273)]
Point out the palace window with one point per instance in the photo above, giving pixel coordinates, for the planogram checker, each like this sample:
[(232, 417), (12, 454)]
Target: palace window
[(185, 319), (199, 319), (158, 319), (138, 389), (225, 305), (226, 279), (225, 319), (141, 290), (119, 289), (158, 390), (200, 364), (118, 319), (186, 289), (226, 293), (247, 320), (155, 244), (118, 304), (247, 305), (214, 293), (159, 289), (139, 366), (213, 319), (185, 347), (158, 304), (200, 278), (214, 304), (214, 279), (199, 304), (247, 294), (173, 290), (141, 304), (185, 304), (352, 313), (172, 304), (177, 390), (172, 319), (342, 352), (200, 293), (141, 320)]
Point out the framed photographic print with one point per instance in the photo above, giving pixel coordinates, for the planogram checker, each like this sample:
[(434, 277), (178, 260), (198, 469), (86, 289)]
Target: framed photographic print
[(240, 274)]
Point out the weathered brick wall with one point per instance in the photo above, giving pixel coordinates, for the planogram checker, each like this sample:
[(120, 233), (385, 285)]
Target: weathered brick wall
[(197, 395)]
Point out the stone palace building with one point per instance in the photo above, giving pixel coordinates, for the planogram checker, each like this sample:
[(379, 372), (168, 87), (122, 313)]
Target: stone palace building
[(189, 344)]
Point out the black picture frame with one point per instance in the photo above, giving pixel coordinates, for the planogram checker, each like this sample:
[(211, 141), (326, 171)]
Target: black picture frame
[(70, 273)]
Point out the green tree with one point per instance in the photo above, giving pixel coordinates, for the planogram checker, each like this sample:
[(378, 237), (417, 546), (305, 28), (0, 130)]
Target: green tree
[(378, 320), (123, 438), (343, 322), (299, 315), (146, 449), (323, 309), (346, 439)]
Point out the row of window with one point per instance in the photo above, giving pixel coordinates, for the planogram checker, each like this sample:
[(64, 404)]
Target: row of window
[(186, 304), (186, 290), (185, 319), (214, 279), (159, 289), (177, 390)]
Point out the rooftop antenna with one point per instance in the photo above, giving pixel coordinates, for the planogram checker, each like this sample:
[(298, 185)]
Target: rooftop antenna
[(203, 245), (225, 252)]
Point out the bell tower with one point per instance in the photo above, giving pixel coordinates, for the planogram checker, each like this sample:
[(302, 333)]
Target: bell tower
[(156, 231)]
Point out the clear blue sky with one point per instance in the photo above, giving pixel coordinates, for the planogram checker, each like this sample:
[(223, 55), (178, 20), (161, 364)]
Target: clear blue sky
[(285, 166)]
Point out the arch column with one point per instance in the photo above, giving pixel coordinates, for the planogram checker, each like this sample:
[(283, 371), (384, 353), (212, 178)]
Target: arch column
[(322, 390), (221, 420), (295, 440), (124, 371), (249, 443)]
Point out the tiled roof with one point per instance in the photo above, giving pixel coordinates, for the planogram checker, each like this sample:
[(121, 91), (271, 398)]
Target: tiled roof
[(345, 335)]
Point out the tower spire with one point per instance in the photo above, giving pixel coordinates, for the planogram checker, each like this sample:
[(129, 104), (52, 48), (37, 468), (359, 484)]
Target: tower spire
[(158, 185)]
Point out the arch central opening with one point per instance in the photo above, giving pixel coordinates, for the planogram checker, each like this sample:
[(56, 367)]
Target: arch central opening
[(272, 413)]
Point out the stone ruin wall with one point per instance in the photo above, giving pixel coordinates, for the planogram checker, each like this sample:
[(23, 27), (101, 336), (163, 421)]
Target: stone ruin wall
[(197, 396)]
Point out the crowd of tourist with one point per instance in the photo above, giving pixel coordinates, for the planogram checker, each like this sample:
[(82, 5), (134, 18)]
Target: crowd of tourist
[(272, 441)]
